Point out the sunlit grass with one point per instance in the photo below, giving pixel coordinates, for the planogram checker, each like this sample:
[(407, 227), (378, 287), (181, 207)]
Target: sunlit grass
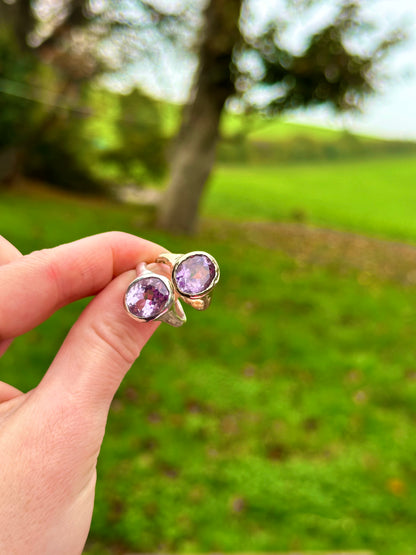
[(370, 196)]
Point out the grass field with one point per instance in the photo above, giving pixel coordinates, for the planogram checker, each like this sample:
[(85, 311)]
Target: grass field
[(282, 418), (369, 196)]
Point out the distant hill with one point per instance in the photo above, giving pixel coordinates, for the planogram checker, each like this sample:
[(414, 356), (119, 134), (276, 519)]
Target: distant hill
[(256, 126), (259, 128), (254, 139), (257, 140)]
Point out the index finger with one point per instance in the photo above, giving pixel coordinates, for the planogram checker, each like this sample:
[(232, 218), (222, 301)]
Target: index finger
[(33, 287)]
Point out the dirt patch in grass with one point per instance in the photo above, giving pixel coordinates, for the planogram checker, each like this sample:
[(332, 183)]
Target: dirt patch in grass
[(387, 260)]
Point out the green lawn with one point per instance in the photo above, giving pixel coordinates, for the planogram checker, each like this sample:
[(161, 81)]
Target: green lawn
[(369, 196), (280, 419)]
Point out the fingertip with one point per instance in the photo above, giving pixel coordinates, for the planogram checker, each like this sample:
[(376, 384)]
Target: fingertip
[(8, 252)]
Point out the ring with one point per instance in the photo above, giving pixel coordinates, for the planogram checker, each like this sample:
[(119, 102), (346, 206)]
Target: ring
[(151, 297), (194, 275)]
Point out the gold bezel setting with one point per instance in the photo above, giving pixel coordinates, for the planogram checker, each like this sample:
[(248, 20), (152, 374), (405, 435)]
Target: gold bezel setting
[(202, 299)]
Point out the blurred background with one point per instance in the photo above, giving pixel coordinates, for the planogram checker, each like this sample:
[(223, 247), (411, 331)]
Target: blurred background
[(280, 137)]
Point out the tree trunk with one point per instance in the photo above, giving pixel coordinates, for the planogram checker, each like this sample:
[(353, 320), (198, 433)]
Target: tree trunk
[(194, 150)]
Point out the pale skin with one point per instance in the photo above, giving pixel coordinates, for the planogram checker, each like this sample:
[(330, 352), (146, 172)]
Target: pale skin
[(50, 437)]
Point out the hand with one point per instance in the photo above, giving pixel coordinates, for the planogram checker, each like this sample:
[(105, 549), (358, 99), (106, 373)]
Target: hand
[(50, 437)]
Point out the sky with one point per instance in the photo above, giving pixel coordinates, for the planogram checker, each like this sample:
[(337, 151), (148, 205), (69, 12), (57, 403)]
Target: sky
[(390, 113)]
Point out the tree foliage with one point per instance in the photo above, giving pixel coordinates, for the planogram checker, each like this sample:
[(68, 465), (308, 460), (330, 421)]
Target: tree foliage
[(329, 70), (255, 65), (49, 111), (140, 150), (15, 70)]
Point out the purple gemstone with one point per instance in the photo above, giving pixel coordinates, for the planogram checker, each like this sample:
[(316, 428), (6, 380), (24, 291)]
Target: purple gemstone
[(147, 297), (195, 274)]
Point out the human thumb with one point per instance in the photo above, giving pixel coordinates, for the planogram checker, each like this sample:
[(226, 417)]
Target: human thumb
[(98, 351)]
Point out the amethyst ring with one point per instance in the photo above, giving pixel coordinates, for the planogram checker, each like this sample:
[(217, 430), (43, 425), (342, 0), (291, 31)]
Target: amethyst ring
[(151, 296), (194, 275)]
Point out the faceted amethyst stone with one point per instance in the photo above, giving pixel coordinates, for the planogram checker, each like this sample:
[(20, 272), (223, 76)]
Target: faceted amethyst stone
[(147, 297), (195, 274)]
